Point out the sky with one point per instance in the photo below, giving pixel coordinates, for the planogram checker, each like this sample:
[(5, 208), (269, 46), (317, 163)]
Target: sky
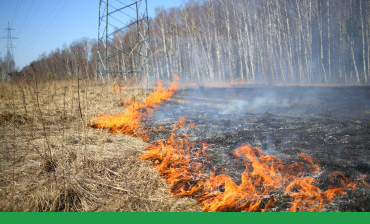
[(44, 25)]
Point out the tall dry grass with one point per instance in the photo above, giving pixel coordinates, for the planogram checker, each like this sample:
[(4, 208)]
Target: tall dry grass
[(51, 160)]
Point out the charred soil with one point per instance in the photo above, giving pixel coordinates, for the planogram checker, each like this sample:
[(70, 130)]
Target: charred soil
[(330, 124)]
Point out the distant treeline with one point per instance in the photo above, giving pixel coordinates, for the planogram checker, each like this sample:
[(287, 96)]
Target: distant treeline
[(255, 41)]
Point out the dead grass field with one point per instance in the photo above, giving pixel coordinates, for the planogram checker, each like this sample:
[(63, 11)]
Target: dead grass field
[(51, 160)]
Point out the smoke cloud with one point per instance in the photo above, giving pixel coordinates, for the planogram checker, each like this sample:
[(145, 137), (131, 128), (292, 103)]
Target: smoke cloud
[(264, 102)]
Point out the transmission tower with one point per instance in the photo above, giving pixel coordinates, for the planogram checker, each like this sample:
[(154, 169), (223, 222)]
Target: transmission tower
[(9, 54), (123, 35)]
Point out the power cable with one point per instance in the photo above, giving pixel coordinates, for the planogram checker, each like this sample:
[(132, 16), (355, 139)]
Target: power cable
[(16, 10), (36, 34), (52, 20), (33, 14), (27, 15)]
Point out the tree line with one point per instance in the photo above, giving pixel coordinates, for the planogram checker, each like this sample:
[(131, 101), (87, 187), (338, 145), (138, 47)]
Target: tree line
[(253, 41)]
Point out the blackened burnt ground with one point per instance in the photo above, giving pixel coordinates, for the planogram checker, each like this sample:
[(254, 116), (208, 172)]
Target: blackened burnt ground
[(331, 124)]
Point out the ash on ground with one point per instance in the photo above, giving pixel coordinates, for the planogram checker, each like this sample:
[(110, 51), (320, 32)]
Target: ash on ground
[(331, 124)]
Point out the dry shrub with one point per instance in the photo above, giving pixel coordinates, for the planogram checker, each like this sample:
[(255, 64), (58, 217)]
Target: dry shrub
[(19, 119), (67, 200)]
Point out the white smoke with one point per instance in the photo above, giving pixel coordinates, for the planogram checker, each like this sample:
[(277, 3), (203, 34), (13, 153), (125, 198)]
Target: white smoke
[(234, 106), (256, 104)]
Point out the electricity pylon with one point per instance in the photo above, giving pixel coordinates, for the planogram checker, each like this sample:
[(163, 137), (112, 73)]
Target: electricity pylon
[(123, 35), (9, 54)]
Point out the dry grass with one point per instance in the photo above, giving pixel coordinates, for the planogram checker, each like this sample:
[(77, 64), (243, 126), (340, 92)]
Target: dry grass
[(51, 160)]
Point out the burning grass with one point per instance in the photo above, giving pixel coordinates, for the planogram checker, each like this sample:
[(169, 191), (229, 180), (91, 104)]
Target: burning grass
[(264, 180), (267, 183), (129, 121)]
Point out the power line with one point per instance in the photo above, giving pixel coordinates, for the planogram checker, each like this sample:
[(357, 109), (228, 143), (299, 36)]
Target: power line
[(49, 20), (27, 16), (45, 20), (53, 19), (32, 16), (16, 10)]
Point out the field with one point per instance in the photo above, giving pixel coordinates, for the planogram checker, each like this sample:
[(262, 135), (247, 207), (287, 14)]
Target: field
[(51, 160), (67, 146), (186, 106)]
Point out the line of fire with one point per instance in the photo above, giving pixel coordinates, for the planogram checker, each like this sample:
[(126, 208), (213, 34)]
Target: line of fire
[(212, 105), (242, 148)]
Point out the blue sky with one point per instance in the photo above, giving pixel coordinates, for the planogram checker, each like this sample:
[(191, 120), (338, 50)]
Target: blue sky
[(44, 25)]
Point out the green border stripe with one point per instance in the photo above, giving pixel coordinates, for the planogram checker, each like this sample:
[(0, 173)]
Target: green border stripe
[(189, 218)]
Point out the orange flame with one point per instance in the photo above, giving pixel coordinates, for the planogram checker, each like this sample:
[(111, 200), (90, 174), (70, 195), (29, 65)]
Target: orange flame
[(264, 176), (265, 181), (129, 121)]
